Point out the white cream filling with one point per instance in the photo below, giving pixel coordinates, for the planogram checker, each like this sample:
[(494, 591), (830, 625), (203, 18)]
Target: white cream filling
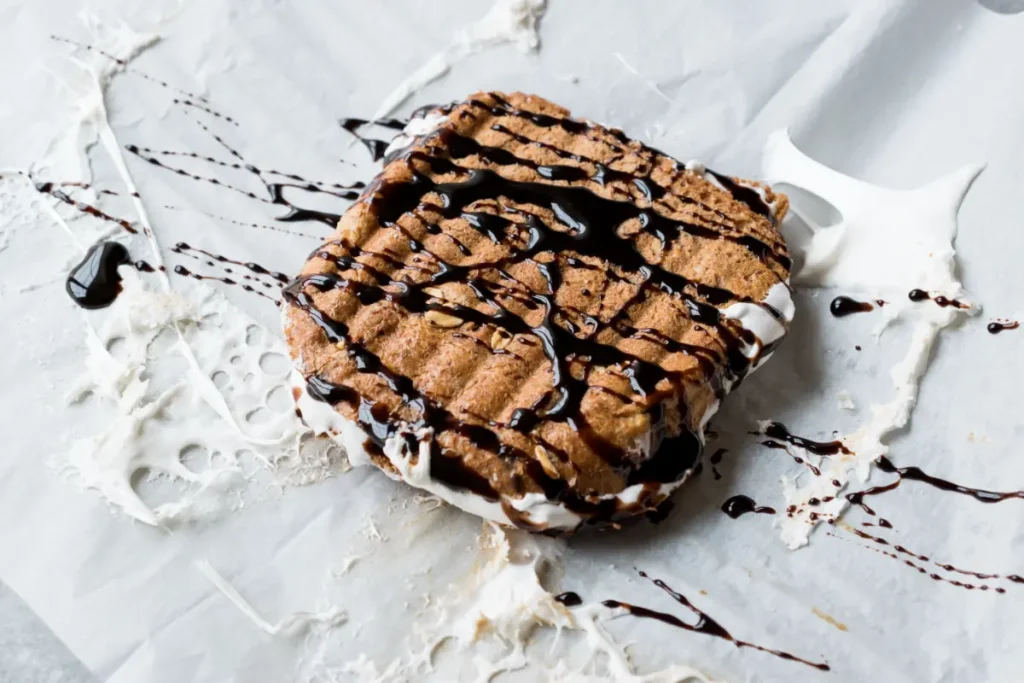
[(419, 126), (534, 507), (759, 321)]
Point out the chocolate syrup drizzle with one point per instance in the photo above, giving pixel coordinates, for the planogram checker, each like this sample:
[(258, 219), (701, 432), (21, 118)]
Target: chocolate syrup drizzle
[(778, 431), (903, 554), (705, 623), (275, 188), (737, 506), (918, 295), (128, 69), (375, 147), (782, 436), (53, 190), (916, 474), (281, 278), (587, 223)]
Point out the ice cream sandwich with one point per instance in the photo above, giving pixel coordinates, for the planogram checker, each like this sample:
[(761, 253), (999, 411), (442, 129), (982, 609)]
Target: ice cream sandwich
[(533, 316)]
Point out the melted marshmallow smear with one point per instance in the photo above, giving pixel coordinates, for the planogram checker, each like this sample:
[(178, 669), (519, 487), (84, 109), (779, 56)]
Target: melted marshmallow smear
[(187, 373)]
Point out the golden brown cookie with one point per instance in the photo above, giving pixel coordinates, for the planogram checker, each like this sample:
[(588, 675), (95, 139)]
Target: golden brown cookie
[(533, 316)]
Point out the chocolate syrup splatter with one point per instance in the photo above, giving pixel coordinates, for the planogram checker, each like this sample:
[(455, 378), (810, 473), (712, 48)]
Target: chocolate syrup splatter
[(918, 295), (737, 506), (843, 306), (95, 282), (705, 623), (997, 326), (569, 599)]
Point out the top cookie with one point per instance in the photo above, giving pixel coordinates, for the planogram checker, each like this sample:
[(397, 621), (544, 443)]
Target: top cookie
[(533, 316)]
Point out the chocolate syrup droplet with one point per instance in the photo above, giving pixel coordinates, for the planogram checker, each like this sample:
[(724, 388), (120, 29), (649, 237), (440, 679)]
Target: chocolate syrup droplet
[(569, 599), (997, 326), (918, 295), (737, 506), (843, 306), (95, 282)]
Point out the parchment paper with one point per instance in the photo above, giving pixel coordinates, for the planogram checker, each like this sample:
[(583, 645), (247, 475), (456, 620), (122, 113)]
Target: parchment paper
[(896, 93)]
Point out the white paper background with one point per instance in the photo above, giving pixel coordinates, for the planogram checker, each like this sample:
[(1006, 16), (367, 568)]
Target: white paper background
[(897, 93)]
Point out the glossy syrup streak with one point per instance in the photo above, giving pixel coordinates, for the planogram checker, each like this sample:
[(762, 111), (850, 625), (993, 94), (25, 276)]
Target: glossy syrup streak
[(95, 282), (705, 624), (587, 223), (917, 474)]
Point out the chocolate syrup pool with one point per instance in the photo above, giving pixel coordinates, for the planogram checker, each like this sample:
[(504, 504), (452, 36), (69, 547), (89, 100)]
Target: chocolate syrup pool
[(95, 282)]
